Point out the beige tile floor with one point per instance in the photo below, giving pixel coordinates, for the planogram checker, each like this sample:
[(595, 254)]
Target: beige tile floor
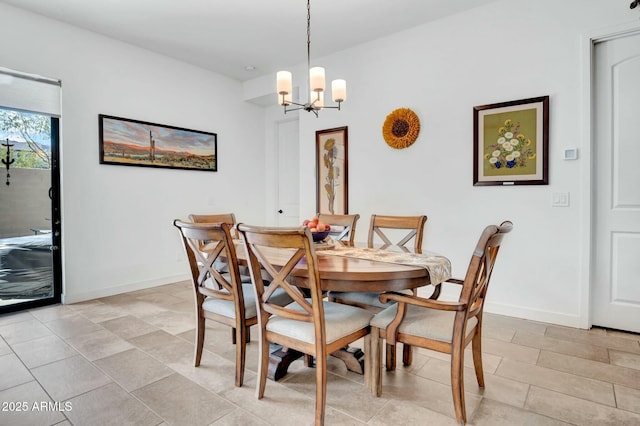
[(127, 359)]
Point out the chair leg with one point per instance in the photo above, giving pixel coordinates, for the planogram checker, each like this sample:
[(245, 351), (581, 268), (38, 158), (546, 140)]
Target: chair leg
[(234, 334), (407, 354), (367, 361), (375, 359), (200, 327), (457, 384), (321, 388), (308, 360), (241, 350), (263, 365), (476, 347), (391, 357)]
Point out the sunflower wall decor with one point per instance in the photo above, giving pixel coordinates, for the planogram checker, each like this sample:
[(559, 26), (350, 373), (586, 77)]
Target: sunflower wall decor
[(401, 128)]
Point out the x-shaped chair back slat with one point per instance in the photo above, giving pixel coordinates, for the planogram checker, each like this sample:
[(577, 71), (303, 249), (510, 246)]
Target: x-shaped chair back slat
[(205, 243), (347, 221), (295, 256), (414, 224)]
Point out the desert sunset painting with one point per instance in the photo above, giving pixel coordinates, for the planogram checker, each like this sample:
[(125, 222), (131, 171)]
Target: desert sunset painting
[(138, 143)]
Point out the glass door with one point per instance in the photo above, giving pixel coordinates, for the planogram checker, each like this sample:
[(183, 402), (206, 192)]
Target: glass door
[(30, 259)]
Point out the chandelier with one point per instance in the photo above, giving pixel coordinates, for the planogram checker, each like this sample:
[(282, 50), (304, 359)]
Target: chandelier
[(315, 84)]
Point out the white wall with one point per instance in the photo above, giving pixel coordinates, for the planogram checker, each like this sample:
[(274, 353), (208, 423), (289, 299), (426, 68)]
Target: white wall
[(508, 50), (117, 232)]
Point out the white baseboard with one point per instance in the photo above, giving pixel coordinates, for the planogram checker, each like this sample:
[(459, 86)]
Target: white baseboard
[(124, 288), (523, 312), (558, 318)]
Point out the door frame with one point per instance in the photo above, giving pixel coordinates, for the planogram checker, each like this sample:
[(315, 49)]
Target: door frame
[(56, 229), (587, 256)]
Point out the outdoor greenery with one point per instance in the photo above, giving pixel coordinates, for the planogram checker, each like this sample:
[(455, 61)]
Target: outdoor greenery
[(22, 126)]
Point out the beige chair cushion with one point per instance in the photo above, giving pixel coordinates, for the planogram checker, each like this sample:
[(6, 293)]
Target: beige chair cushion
[(422, 322), (227, 309), (364, 298), (340, 320), (243, 278)]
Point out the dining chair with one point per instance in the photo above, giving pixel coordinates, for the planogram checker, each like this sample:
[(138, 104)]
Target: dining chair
[(221, 265), (309, 324), (229, 218), (378, 225), (380, 229), (345, 223), (220, 297), (442, 326)]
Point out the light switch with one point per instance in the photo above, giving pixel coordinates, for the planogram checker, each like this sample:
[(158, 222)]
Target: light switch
[(560, 199)]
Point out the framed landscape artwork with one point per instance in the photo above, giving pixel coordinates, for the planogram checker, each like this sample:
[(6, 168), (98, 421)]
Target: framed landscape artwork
[(129, 142), (511, 143), (331, 167)]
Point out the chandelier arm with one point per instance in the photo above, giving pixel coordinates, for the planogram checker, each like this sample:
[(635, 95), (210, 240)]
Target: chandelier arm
[(286, 110), (332, 107), (297, 104)]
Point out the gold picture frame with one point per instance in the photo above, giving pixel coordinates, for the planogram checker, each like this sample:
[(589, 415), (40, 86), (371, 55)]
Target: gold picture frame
[(511, 143), (332, 171)]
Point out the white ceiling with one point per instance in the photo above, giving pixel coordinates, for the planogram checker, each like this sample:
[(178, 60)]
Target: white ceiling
[(225, 36)]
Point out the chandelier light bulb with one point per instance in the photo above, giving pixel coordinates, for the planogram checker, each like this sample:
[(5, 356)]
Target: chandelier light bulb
[(339, 90), (285, 84), (316, 79)]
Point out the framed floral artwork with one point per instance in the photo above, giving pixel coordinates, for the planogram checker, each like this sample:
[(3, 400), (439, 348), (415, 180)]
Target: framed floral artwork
[(511, 143), (331, 168)]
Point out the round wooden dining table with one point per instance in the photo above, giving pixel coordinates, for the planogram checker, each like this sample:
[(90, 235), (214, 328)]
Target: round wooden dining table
[(341, 273)]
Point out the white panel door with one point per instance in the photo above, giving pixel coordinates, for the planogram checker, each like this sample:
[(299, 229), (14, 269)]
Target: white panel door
[(616, 285), (288, 181)]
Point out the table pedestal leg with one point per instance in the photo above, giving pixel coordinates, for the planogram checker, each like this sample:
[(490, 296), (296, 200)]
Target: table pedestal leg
[(279, 362), (281, 358), (353, 359)]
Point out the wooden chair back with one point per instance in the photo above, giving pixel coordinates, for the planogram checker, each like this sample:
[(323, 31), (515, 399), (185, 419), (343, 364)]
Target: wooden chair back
[(204, 243), (480, 268), (347, 221), (414, 224), (229, 218), (295, 245)]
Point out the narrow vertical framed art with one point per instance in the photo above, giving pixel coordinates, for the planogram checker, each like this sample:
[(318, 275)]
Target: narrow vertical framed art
[(511, 143), (332, 171)]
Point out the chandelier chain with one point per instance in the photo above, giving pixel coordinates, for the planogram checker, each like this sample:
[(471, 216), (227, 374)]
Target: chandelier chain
[(308, 35)]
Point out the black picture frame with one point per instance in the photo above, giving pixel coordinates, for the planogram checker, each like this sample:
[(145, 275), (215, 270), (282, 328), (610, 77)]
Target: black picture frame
[(128, 142), (511, 143), (332, 171)]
